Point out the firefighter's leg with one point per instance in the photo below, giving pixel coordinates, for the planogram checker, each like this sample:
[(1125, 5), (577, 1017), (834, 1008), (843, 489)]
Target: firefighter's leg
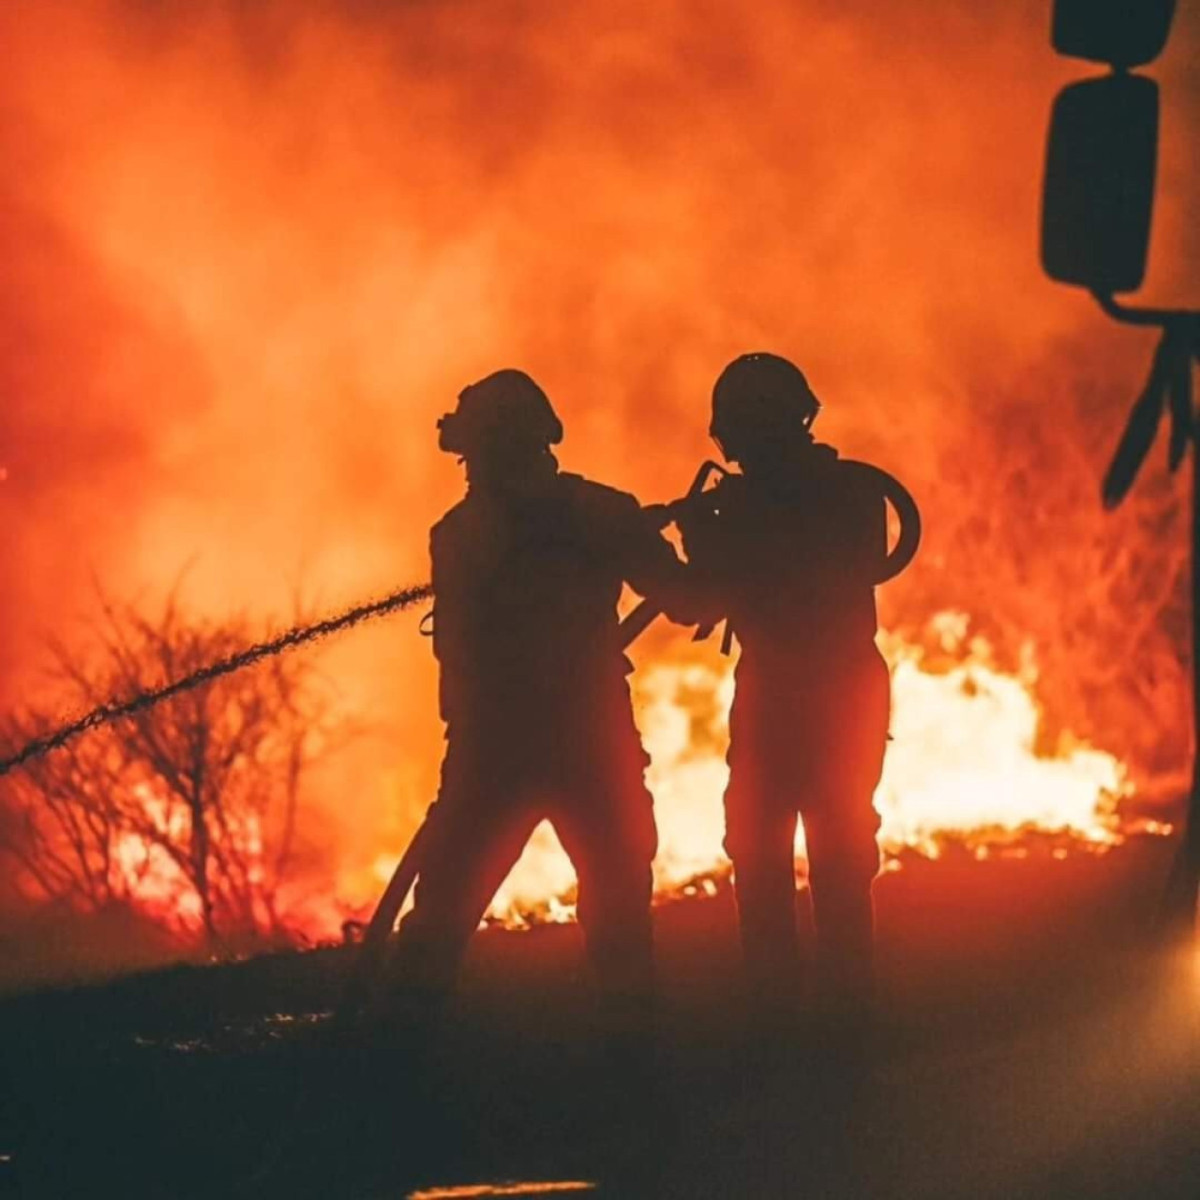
[(761, 843), (610, 837), (843, 860), (760, 837), (841, 824), (611, 841), (848, 720), (473, 844)]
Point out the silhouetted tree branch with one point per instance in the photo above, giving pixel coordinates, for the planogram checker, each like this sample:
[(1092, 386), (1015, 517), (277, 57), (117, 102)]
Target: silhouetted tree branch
[(188, 808)]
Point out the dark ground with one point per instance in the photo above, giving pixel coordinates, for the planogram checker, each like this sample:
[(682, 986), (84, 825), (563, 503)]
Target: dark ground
[(1029, 1046)]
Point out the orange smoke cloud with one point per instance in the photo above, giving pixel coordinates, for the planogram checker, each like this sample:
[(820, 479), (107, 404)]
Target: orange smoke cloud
[(257, 248)]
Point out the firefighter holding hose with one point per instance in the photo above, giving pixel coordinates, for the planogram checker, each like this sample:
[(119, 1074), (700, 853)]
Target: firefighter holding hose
[(789, 551), (527, 570)]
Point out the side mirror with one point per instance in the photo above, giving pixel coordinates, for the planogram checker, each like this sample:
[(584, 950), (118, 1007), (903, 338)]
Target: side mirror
[(1099, 185), (1123, 33)]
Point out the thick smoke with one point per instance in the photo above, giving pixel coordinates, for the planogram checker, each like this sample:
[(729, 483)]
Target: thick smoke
[(255, 249)]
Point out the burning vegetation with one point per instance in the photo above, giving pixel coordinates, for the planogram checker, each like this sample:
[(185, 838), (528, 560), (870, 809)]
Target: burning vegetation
[(968, 767), (188, 810)]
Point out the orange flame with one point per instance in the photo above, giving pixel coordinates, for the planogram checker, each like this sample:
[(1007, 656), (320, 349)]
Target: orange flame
[(964, 766), (255, 251)]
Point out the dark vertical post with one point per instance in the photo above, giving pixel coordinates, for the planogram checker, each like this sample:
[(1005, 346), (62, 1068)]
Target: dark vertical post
[(1170, 387), (1101, 163), (1183, 887)]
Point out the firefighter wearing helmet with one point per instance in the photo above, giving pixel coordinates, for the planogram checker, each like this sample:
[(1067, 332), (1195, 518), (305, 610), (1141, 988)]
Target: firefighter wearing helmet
[(527, 570), (789, 550)]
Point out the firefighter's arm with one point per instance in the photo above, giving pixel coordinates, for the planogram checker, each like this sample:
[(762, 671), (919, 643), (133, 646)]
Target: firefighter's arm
[(682, 590), (704, 531), (449, 624), (650, 565)]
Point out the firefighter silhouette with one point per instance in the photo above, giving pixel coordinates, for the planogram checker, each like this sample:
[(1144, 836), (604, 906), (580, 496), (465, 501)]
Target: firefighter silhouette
[(789, 550), (527, 570)]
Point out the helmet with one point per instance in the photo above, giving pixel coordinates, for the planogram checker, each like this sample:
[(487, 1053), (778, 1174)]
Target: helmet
[(759, 397), (503, 410)]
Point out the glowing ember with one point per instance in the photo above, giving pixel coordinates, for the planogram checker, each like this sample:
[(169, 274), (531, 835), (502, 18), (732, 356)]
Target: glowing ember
[(148, 874), (153, 880), (151, 876)]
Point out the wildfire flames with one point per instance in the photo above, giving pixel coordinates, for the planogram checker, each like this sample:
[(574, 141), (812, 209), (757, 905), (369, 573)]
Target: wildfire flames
[(964, 767), (256, 249)]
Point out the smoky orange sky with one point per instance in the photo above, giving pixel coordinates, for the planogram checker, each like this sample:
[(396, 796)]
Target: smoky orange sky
[(253, 250)]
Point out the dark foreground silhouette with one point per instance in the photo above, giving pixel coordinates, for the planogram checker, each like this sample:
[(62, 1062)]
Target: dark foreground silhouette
[(1028, 1049), (789, 551), (527, 571)]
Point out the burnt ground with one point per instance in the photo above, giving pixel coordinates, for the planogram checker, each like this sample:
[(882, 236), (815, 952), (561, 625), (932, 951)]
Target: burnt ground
[(1030, 1044)]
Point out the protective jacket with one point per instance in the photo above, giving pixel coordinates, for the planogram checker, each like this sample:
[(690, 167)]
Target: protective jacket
[(525, 624), (791, 563), (538, 720)]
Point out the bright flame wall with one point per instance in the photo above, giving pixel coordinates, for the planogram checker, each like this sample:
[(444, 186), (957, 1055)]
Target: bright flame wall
[(964, 766)]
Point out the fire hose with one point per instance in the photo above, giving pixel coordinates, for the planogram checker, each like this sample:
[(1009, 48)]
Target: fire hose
[(383, 921), (631, 627), (115, 710), (699, 495), (388, 909)]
